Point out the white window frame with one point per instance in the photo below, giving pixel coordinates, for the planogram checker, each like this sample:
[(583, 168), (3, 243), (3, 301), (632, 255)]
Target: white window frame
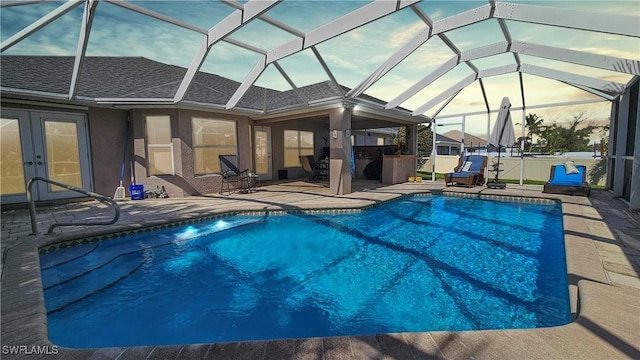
[(168, 145), (193, 139), (298, 147)]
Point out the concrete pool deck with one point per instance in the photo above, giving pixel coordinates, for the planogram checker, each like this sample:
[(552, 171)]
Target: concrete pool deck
[(602, 240)]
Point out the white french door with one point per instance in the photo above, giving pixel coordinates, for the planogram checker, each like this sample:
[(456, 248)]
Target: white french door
[(44, 144), (262, 136)]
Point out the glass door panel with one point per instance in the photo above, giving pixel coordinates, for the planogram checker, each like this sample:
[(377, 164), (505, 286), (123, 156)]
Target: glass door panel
[(44, 144), (62, 156), (263, 152), (12, 179), (61, 148)]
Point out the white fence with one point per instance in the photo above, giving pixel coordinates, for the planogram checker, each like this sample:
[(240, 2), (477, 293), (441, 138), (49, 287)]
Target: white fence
[(535, 168)]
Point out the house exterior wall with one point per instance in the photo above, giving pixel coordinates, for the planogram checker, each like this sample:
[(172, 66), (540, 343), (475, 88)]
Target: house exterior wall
[(107, 134), (185, 182), (107, 129), (106, 138)]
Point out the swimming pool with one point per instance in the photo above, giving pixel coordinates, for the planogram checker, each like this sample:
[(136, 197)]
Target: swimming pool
[(416, 264)]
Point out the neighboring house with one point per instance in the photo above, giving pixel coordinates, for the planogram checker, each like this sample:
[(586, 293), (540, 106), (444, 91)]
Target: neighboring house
[(472, 144), (447, 146), (129, 100)]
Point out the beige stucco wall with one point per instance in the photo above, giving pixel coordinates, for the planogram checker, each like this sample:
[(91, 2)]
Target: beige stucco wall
[(107, 128), (184, 182)]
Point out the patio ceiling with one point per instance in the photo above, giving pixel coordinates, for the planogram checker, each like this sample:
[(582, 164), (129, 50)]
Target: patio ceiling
[(434, 58)]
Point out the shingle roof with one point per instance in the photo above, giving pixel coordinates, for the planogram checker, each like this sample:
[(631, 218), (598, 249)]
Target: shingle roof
[(138, 77), (468, 138), (443, 139)]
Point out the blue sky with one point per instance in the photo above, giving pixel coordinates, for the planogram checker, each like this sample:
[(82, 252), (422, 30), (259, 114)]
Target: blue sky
[(351, 56)]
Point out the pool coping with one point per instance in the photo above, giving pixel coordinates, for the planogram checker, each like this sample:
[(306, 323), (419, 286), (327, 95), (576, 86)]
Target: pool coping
[(74, 240), (596, 332)]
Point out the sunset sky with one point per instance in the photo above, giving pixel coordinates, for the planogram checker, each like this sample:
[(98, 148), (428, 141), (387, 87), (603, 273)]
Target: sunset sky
[(351, 57)]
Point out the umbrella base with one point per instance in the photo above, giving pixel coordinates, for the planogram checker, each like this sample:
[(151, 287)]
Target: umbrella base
[(496, 185)]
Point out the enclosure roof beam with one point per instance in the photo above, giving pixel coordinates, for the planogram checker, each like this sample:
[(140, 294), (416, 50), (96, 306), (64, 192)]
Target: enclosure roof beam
[(578, 81), (291, 83), (601, 94), (626, 25), (83, 40), (228, 25), (606, 62), (480, 52), (341, 25), (433, 28), (325, 67), (573, 79), (484, 95), (251, 78), (445, 104), (280, 25)]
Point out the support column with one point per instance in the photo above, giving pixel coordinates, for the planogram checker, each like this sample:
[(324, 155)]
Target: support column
[(434, 150), (412, 139), (634, 196), (621, 144), (340, 151)]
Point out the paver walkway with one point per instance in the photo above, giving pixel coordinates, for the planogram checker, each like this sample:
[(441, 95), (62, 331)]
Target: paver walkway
[(603, 259)]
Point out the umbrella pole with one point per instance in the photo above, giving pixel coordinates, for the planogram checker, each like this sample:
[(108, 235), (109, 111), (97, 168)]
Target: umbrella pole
[(498, 167)]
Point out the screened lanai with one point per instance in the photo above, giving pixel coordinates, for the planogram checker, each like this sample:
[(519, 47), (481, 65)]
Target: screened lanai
[(428, 61), (431, 57)]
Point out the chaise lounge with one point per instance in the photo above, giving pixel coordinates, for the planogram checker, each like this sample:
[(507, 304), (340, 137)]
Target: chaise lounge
[(568, 179), (469, 172)]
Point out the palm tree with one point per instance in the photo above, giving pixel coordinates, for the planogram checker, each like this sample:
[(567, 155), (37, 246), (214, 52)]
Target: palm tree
[(534, 127)]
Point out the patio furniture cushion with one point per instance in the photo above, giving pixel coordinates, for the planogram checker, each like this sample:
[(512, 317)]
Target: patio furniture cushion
[(570, 167), (469, 172), (562, 177), (567, 184)]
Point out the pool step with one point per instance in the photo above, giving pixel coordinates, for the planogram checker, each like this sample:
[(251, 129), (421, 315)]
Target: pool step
[(62, 294), (56, 258)]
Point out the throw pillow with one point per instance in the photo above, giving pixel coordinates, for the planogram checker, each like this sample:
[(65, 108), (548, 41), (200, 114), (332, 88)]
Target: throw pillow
[(570, 167), (466, 166)]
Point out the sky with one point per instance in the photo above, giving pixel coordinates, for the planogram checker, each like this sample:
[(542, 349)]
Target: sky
[(352, 56)]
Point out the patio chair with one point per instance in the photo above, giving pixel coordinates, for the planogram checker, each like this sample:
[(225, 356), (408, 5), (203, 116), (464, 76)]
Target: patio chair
[(568, 179), (310, 167), (231, 173), (469, 172)]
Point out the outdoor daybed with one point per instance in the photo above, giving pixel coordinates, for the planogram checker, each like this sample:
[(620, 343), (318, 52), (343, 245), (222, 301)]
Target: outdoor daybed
[(568, 179)]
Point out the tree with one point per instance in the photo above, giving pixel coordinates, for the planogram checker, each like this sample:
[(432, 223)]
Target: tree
[(566, 139), (533, 124), (425, 142)]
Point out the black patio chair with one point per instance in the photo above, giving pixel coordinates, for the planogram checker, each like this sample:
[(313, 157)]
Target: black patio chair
[(231, 173)]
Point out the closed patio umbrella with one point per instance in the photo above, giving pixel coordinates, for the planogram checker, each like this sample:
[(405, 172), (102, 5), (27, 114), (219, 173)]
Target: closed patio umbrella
[(502, 135)]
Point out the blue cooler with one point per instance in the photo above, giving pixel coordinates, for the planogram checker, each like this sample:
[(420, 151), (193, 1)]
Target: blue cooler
[(137, 192)]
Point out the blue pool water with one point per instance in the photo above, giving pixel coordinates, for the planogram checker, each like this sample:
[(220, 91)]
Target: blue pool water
[(417, 264)]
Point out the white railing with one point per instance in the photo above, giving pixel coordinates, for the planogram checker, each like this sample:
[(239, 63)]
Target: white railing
[(535, 168)]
